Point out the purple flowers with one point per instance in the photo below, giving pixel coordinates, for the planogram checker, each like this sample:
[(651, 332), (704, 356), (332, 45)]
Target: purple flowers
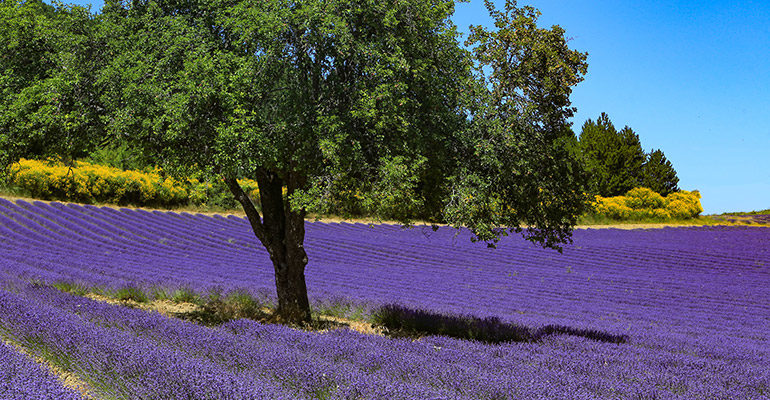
[(693, 304), (23, 379)]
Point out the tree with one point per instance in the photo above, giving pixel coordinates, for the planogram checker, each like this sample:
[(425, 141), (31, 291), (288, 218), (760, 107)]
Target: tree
[(520, 170), (613, 159), (323, 101), (658, 174), (49, 105)]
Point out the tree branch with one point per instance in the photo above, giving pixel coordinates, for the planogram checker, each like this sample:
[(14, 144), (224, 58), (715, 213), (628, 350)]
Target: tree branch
[(248, 206)]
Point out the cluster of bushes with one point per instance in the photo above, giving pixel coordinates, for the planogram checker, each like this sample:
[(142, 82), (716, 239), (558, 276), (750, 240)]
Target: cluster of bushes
[(644, 203), (86, 182), (91, 183)]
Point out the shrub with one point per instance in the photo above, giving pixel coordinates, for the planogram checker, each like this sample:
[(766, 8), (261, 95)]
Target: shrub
[(643, 198), (216, 195), (643, 203), (684, 204), (612, 207), (88, 183)]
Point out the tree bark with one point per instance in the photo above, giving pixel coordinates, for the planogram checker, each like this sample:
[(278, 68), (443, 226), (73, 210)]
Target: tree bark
[(282, 232)]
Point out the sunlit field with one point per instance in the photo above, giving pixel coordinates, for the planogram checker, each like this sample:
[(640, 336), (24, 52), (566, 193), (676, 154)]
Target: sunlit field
[(641, 314)]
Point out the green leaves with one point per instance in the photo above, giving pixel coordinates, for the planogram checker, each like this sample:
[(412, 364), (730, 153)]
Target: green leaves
[(395, 193), (356, 106), (519, 173), (48, 93), (658, 174), (617, 163)]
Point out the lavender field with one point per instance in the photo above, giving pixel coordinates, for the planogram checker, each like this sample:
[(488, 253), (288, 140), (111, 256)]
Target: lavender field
[(694, 304)]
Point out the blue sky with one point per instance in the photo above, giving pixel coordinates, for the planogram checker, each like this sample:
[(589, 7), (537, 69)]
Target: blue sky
[(690, 77)]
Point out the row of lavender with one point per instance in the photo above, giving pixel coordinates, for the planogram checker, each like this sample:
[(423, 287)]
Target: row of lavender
[(23, 379), (693, 301), (641, 270)]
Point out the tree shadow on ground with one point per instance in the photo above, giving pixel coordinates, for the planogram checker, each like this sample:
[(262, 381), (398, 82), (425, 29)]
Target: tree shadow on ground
[(401, 321), (217, 311)]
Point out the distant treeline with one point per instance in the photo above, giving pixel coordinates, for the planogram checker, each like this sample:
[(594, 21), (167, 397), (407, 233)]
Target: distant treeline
[(616, 162)]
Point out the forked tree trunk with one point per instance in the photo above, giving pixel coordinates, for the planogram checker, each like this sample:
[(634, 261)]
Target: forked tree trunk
[(282, 232)]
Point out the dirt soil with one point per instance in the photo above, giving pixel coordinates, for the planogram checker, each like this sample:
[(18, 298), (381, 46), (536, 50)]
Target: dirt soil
[(171, 309), (165, 307)]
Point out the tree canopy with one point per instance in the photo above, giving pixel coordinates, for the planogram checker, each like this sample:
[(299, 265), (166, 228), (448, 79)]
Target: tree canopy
[(658, 173), (616, 162), (330, 102), (49, 101)]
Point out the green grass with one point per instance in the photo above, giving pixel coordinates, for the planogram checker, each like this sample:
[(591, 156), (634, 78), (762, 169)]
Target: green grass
[(185, 295), (342, 309), (600, 220), (71, 287), (130, 293), (739, 213)]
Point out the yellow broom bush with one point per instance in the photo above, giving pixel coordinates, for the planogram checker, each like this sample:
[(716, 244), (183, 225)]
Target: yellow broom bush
[(643, 203), (90, 183), (93, 183)]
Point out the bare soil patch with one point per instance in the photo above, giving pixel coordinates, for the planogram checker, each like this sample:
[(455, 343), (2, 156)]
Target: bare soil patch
[(201, 314)]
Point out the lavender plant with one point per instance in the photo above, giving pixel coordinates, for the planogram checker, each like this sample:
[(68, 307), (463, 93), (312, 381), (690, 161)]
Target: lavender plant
[(22, 379), (691, 302)]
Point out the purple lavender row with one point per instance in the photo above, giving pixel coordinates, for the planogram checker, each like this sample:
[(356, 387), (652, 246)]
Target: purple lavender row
[(118, 363), (23, 379), (340, 256), (538, 291), (295, 359), (77, 248)]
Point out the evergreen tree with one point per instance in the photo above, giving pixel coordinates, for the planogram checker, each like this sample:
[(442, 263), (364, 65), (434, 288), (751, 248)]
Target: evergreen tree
[(658, 174), (613, 159)]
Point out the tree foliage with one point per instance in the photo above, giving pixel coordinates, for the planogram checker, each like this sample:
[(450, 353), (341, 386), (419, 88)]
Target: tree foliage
[(613, 158), (49, 101), (658, 174), (324, 102), (517, 170), (617, 163)]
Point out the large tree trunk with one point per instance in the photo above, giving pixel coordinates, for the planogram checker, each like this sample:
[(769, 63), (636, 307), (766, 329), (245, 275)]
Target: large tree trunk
[(293, 305), (282, 231)]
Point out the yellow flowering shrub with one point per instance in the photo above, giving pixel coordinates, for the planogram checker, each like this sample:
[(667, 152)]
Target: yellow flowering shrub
[(684, 204), (612, 207), (89, 183), (643, 198), (250, 187), (643, 203)]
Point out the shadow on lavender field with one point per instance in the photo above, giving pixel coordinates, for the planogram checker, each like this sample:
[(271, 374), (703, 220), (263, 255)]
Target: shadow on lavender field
[(403, 321)]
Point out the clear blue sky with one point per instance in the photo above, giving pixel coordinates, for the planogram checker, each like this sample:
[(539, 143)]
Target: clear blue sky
[(690, 77)]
